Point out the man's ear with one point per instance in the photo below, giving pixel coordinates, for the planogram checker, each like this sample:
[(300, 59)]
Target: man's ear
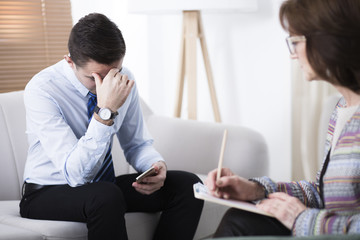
[(69, 61)]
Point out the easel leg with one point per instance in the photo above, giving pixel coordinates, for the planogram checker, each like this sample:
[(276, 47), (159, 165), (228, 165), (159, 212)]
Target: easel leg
[(208, 71), (191, 34), (193, 29), (181, 75)]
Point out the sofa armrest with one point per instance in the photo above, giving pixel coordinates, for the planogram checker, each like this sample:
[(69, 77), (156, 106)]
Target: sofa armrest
[(195, 146)]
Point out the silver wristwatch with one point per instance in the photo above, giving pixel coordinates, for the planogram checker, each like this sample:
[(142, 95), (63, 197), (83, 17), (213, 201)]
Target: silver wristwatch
[(105, 113)]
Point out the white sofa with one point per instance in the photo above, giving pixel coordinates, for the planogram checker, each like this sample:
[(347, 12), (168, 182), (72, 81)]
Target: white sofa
[(187, 145)]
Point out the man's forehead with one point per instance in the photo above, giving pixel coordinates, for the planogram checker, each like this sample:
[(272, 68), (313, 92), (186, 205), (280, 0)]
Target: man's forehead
[(99, 68)]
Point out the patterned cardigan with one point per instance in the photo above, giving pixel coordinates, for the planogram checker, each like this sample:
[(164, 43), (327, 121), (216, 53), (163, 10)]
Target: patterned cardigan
[(333, 200)]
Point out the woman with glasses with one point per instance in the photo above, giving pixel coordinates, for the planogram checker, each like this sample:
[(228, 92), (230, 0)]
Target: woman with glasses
[(324, 36)]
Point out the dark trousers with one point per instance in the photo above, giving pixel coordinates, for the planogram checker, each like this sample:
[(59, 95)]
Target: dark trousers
[(102, 206), (242, 223)]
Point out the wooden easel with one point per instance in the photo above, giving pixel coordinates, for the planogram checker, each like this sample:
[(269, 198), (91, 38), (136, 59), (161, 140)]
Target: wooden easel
[(193, 29)]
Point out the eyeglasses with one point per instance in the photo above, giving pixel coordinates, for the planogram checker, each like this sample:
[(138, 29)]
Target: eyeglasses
[(292, 41)]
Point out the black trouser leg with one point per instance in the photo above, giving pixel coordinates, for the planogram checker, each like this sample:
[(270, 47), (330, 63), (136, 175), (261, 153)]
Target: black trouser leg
[(242, 223), (180, 210), (100, 205)]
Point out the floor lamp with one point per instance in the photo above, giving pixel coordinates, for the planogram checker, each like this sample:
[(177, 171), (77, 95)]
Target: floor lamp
[(191, 32)]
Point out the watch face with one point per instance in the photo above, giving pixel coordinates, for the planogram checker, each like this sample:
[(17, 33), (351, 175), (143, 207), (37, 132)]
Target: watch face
[(105, 113)]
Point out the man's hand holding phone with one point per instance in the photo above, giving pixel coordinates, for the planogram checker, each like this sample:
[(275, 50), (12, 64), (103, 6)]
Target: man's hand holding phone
[(150, 172), (152, 179)]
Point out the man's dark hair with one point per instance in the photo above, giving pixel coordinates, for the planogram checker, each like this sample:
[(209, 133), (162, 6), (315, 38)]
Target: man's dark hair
[(96, 38), (332, 31)]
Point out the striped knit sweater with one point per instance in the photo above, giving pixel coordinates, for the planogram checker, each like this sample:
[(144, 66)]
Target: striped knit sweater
[(333, 200)]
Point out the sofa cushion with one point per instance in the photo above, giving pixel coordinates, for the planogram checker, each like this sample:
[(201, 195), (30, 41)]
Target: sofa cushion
[(9, 214), (56, 230), (15, 233)]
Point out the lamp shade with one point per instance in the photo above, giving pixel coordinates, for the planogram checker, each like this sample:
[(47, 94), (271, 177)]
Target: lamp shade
[(177, 6)]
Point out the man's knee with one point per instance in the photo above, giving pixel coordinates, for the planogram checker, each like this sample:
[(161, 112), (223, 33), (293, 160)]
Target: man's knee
[(179, 187), (181, 179), (107, 198)]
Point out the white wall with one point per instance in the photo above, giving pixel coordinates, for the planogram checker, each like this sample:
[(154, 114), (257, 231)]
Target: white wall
[(249, 59)]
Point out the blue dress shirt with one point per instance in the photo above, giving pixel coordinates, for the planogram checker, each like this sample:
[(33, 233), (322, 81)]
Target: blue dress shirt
[(63, 147)]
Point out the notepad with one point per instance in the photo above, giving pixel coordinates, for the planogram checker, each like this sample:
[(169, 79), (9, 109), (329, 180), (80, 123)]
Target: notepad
[(201, 192)]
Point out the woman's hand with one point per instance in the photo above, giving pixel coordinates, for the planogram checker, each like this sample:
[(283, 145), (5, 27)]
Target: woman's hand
[(231, 186), (151, 184), (284, 207), (210, 181)]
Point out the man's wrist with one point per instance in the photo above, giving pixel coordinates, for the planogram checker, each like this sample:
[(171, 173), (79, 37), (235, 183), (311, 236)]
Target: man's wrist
[(162, 162), (105, 113), (109, 122)]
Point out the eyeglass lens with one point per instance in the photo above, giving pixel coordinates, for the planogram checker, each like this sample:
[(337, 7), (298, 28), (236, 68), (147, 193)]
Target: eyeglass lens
[(292, 41), (291, 45)]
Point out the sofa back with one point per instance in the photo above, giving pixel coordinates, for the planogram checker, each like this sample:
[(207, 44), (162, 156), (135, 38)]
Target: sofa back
[(185, 145), (195, 146), (13, 144)]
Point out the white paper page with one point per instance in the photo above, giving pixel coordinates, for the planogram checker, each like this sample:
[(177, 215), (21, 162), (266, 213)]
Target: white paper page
[(201, 192)]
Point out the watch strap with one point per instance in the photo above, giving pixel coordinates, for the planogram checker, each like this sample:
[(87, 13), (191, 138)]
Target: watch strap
[(112, 116)]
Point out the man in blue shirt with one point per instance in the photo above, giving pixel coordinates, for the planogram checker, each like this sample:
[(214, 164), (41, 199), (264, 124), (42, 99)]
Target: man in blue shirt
[(73, 110)]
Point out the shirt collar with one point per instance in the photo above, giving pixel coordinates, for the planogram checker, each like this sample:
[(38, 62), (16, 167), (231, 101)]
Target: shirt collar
[(70, 75)]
